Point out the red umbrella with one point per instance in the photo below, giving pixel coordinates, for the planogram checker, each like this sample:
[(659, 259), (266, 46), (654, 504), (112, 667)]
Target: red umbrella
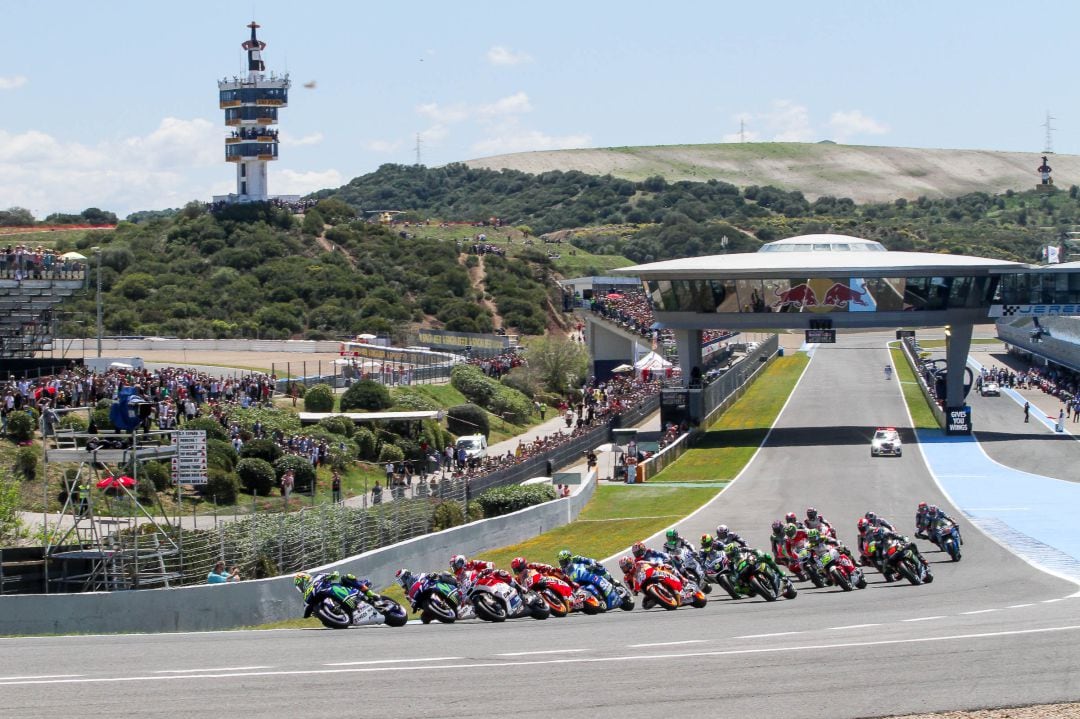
[(613, 296), (47, 390), (116, 482)]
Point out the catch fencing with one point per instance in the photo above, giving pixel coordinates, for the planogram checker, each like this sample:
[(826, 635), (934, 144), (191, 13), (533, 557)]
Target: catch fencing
[(267, 545)]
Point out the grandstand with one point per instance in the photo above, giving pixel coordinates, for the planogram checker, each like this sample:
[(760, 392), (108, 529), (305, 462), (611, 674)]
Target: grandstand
[(26, 311)]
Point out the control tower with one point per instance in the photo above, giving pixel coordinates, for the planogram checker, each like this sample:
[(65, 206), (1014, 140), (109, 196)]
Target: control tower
[(251, 105)]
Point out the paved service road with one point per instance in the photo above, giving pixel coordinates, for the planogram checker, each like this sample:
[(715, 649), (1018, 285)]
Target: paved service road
[(990, 631)]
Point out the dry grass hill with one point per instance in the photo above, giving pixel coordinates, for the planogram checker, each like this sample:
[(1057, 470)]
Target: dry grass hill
[(863, 173)]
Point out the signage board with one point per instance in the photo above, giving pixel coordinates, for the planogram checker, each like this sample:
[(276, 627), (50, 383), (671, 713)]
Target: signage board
[(447, 340), (901, 334), (958, 420), (623, 435), (821, 337), (189, 462)]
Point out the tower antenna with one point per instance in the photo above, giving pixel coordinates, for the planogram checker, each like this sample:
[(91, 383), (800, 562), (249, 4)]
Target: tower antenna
[(1049, 145), (418, 163)]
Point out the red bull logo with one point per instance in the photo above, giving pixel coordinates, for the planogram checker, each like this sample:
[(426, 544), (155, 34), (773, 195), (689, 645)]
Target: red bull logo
[(798, 296), (840, 295)]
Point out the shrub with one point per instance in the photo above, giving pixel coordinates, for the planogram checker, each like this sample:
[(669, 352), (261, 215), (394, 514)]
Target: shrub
[(512, 405), (365, 443), (221, 455), (271, 419), (256, 475), (100, 418), (338, 425), (391, 453), (211, 426), (465, 419), (413, 401), (263, 449), (475, 511), (504, 500), (157, 474), (221, 486), (471, 381), (303, 472), (447, 514), (366, 394), (73, 422), (20, 426), (521, 379), (26, 463), (319, 398)]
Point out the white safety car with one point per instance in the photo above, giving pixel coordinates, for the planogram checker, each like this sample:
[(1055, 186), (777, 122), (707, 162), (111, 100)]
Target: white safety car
[(990, 389), (886, 441)]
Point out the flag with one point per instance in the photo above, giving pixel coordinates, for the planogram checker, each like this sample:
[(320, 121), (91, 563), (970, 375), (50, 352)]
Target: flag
[(1052, 255)]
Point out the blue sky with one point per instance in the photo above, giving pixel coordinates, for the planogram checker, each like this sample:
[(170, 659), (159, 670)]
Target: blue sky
[(114, 103)]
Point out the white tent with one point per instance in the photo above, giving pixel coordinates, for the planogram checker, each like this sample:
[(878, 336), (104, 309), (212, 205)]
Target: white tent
[(651, 362)]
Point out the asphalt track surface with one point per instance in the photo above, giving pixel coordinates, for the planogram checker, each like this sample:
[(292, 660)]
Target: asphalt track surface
[(990, 631)]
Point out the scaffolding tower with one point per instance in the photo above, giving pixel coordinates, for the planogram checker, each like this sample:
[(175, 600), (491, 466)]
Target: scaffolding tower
[(105, 541)]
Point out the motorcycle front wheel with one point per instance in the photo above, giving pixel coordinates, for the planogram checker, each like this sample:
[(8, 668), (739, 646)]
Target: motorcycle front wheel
[(840, 580), (332, 615), (555, 603), (438, 608), (662, 596), (763, 588), (908, 573), (488, 608)]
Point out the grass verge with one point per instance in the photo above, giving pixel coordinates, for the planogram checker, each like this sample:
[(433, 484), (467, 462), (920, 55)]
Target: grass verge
[(731, 441), (921, 415)]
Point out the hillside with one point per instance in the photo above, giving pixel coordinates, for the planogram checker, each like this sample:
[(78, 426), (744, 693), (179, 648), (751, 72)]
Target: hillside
[(863, 173)]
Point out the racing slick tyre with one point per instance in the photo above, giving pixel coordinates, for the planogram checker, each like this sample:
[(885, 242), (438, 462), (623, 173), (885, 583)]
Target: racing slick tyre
[(763, 589), (840, 580), (555, 603), (488, 608), (628, 602), (662, 596), (437, 608), (393, 613), (538, 609), (591, 605), (861, 584), (332, 615), (789, 590), (725, 581), (699, 601), (908, 573)]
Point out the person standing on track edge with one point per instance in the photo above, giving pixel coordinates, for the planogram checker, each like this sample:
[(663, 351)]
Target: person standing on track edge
[(1027, 411)]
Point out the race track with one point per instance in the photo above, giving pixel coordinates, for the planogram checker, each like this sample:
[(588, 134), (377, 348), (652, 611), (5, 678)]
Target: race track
[(990, 631)]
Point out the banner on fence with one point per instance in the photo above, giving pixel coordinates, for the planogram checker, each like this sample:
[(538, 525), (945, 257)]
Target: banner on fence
[(566, 478), (445, 339), (189, 462)]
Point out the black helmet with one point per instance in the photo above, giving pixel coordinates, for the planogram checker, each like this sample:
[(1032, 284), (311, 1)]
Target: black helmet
[(811, 513)]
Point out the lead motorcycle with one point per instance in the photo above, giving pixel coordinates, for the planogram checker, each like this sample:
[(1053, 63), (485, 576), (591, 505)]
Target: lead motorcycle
[(562, 597), (342, 607)]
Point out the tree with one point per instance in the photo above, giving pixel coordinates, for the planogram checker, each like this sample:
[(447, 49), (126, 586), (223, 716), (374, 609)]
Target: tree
[(464, 419), (256, 475), (16, 217), (561, 363), (366, 394), (319, 398), (314, 223)]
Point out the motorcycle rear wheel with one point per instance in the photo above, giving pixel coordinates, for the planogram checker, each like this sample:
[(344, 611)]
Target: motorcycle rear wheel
[(662, 596), (438, 608), (815, 578), (555, 603), (394, 615), (332, 616), (840, 580)]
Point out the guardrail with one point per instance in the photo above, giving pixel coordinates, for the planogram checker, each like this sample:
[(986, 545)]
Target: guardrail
[(227, 606), (907, 346)]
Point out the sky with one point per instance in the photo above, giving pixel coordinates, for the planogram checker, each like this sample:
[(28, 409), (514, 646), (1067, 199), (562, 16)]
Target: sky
[(113, 104)]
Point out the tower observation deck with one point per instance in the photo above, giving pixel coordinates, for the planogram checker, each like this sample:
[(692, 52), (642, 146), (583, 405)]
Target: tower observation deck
[(251, 105)]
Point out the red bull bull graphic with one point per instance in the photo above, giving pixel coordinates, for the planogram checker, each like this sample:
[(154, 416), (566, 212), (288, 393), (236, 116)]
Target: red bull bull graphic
[(796, 296), (841, 295)]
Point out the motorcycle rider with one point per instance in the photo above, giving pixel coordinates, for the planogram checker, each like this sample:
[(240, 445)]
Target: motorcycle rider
[(792, 518), (318, 587), (877, 521), (880, 537), (794, 536), (818, 541), (776, 539), (933, 514), (737, 554), (520, 567), (725, 536), (816, 521), (586, 570), (921, 524), (643, 553), (674, 543), (461, 566)]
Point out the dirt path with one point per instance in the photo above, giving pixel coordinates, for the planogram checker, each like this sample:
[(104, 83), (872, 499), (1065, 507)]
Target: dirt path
[(331, 247), (478, 276)]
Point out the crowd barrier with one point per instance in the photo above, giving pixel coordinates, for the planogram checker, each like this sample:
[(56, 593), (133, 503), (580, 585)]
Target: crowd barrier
[(228, 606)]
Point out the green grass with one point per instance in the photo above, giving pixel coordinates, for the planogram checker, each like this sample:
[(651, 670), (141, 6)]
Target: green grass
[(728, 445), (921, 414), (941, 343)]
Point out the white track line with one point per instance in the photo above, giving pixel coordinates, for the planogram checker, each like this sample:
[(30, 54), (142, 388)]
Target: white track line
[(851, 626), (546, 651), (982, 611), (42, 676), (665, 644), (747, 466), (390, 661), (568, 660), (1021, 606), (923, 619), (763, 636), (208, 669)]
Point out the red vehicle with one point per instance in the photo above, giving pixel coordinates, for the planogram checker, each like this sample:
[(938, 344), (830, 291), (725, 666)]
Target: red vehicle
[(665, 588)]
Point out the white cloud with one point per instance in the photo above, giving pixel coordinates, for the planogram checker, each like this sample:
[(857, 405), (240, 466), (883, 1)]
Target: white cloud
[(502, 55), (292, 182), (457, 112), (12, 82), (844, 124), (435, 134), (383, 146), (515, 104), (313, 139), (788, 122)]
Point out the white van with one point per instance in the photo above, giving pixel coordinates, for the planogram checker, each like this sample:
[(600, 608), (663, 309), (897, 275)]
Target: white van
[(475, 445)]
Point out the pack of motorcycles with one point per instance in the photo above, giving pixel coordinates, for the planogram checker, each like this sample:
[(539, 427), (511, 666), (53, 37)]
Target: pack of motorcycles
[(489, 597)]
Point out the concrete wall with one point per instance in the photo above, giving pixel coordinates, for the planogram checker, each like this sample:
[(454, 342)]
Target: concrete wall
[(226, 606)]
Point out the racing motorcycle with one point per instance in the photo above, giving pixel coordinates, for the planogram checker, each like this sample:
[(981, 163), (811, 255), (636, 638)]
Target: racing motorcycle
[(946, 535), (809, 565), (718, 570), (436, 597), (689, 565), (345, 607), (764, 581), (667, 589), (495, 601), (898, 556), (561, 597), (841, 570)]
